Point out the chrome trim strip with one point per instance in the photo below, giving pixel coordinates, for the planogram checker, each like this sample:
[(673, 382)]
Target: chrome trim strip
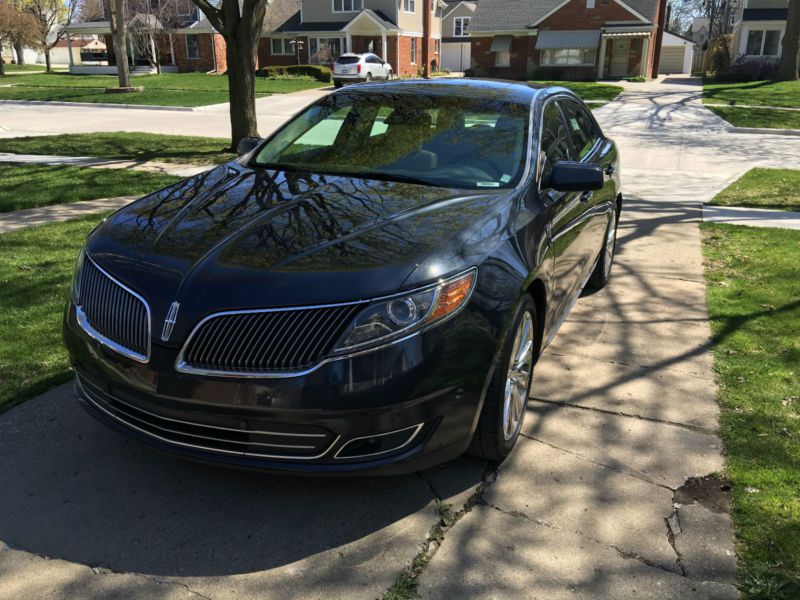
[(182, 367), (95, 404), (416, 429), (83, 321)]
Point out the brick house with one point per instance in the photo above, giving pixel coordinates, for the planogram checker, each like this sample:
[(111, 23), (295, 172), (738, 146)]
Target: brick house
[(567, 39), (321, 30), (188, 44)]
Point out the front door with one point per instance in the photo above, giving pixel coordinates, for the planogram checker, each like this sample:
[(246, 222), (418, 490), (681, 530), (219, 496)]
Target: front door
[(620, 50)]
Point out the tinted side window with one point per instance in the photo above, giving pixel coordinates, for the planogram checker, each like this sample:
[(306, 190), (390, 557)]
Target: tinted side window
[(556, 143), (582, 127)]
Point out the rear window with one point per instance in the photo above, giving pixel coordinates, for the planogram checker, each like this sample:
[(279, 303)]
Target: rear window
[(446, 141), (348, 60)]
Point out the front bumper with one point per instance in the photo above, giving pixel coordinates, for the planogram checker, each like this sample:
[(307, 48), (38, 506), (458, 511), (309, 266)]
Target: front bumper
[(399, 409)]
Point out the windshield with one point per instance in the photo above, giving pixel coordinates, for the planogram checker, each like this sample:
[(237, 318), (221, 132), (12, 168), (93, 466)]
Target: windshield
[(446, 141)]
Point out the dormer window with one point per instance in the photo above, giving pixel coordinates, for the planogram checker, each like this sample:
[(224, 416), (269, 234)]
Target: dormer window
[(348, 5), (461, 26)]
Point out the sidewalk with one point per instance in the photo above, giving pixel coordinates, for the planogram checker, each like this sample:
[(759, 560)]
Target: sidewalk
[(179, 170), (29, 217), (751, 217)]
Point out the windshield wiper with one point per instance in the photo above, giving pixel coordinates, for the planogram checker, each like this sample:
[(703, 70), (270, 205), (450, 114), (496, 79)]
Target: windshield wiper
[(384, 177)]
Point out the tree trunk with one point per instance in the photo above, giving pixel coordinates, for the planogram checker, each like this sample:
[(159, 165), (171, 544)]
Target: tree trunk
[(49, 66), (116, 12), (2, 64), (20, 54), (788, 63), (241, 91)]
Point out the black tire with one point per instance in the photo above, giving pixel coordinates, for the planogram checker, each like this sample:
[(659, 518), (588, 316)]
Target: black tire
[(389, 75), (489, 441), (337, 84), (368, 78), (602, 271)]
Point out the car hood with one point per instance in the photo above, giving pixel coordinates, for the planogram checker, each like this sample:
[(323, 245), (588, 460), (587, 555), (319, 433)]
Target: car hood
[(238, 238)]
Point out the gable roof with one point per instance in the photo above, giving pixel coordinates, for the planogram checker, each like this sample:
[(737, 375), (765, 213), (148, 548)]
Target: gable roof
[(516, 15)]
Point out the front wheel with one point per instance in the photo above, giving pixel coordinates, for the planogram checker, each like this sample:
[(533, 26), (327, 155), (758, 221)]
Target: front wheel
[(506, 398), (368, 78), (389, 76), (602, 272)]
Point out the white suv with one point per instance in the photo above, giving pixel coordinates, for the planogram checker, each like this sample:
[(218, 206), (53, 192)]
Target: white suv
[(352, 68)]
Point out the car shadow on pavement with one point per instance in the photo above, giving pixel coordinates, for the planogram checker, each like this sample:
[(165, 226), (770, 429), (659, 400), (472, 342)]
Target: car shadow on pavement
[(75, 490)]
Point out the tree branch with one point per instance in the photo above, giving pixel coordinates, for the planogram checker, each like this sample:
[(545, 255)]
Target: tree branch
[(212, 13)]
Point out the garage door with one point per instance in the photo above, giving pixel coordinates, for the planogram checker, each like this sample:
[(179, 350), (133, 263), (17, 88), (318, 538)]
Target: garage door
[(456, 56), (672, 59)]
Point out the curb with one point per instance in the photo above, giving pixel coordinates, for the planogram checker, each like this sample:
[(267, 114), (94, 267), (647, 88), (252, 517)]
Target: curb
[(105, 105), (766, 131)]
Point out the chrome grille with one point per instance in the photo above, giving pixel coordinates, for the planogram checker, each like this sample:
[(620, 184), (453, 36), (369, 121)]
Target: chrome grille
[(263, 440), (265, 341), (112, 313)]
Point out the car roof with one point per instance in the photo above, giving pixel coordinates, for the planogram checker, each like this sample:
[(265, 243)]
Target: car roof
[(354, 55), (495, 89)]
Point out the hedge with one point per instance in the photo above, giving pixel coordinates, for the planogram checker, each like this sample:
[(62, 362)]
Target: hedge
[(318, 72)]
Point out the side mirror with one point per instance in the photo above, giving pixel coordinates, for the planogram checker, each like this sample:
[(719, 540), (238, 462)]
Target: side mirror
[(568, 176), (247, 145)]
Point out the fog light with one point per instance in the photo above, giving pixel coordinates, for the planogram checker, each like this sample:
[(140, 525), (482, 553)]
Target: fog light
[(381, 443)]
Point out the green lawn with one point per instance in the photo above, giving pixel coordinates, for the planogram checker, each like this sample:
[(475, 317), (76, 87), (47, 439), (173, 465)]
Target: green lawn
[(29, 186), (758, 117), (11, 69), (763, 188), (587, 90), (753, 293), (35, 271), (167, 89), (753, 93), (124, 145)]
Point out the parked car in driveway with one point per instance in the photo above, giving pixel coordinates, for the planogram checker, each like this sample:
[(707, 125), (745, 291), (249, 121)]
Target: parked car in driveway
[(354, 68), (366, 290)]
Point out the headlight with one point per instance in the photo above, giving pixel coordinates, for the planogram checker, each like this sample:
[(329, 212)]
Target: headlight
[(76, 277), (394, 317)]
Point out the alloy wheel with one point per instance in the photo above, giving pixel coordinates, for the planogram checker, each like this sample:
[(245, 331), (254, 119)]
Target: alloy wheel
[(518, 378)]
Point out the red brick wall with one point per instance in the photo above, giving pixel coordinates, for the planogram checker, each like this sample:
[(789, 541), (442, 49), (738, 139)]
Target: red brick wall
[(220, 49), (402, 64), (206, 60), (523, 58), (656, 38), (575, 15)]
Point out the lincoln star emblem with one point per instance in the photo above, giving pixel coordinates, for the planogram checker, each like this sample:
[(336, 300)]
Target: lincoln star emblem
[(169, 322)]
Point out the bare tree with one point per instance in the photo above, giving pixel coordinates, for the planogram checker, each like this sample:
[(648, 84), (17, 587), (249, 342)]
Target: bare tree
[(790, 46), (51, 16), (240, 23), (149, 23), (119, 38)]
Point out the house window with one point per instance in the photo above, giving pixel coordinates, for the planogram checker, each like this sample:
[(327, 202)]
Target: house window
[(589, 3), (347, 5), (413, 51), (410, 6), (192, 47), (461, 26), (323, 51), (763, 42), (502, 58), (558, 57), (281, 46), (437, 46)]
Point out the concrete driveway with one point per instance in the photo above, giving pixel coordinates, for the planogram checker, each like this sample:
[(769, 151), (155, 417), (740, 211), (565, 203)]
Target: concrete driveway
[(593, 504)]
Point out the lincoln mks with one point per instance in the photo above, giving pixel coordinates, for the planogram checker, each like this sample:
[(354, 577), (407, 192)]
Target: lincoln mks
[(366, 290)]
